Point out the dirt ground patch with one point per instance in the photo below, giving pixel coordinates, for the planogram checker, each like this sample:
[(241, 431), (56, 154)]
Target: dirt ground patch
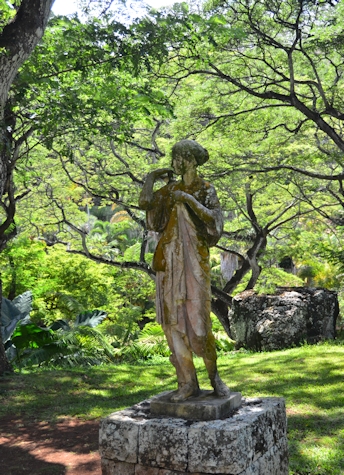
[(69, 447)]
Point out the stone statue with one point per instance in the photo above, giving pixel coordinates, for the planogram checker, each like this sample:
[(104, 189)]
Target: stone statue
[(188, 217)]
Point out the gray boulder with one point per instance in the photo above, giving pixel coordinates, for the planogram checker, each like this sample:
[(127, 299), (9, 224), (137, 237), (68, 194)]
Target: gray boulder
[(286, 319)]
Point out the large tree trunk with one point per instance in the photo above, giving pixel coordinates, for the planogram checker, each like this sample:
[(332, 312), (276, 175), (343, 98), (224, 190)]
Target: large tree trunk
[(19, 38), (17, 41)]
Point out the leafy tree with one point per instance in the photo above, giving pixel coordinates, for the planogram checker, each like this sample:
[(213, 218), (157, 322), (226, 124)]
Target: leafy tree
[(21, 27), (106, 140), (64, 285), (282, 55), (21, 120), (272, 69), (117, 180), (266, 69)]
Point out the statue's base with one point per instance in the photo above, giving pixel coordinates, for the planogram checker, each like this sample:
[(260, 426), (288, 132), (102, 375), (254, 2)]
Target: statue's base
[(205, 407), (251, 442)]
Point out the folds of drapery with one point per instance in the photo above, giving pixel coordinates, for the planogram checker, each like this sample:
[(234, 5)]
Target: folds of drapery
[(183, 289)]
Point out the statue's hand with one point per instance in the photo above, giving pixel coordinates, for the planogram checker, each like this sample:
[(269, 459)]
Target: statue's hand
[(181, 196), (147, 196), (161, 172)]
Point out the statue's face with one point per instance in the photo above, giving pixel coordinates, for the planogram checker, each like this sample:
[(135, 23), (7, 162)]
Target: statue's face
[(180, 164)]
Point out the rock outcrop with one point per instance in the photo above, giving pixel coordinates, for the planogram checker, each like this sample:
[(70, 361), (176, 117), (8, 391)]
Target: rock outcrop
[(288, 318)]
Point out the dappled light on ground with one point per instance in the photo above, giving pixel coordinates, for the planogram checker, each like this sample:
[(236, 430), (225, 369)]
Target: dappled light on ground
[(69, 446), (49, 418)]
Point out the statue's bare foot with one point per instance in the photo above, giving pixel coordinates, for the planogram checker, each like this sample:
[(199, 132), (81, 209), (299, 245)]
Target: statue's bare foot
[(186, 391), (220, 388)]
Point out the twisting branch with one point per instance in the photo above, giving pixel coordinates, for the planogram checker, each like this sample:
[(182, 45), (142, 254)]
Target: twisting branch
[(321, 176), (142, 266), (156, 130), (250, 262), (117, 155), (230, 251)]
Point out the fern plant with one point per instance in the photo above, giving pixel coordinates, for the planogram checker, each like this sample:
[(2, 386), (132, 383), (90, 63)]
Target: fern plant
[(150, 342), (79, 346)]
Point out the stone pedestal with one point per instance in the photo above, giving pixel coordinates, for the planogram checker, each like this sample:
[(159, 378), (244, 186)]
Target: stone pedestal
[(252, 441), (204, 407)]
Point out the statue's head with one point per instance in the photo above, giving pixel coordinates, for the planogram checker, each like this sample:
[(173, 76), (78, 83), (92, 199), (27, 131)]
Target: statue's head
[(190, 149)]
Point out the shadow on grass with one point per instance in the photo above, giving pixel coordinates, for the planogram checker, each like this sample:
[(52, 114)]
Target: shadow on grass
[(310, 379), (86, 393), (97, 391), (316, 446), (300, 380)]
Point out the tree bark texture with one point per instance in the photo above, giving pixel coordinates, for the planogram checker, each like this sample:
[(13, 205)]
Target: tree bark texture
[(17, 41)]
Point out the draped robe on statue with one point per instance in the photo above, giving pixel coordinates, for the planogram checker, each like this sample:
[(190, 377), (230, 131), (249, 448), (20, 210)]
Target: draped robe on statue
[(181, 261)]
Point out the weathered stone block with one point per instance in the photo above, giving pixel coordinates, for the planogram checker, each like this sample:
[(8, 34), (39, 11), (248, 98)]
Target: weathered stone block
[(231, 445), (214, 449), (274, 461), (164, 443), (118, 438), (141, 470), (109, 467), (268, 426)]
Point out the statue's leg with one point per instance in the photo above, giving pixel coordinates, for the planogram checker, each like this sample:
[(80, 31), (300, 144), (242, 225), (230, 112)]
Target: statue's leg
[(220, 388), (209, 358), (179, 371), (205, 347), (182, 360)]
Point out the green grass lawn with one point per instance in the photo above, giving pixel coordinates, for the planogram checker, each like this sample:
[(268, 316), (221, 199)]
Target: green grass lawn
[(310, 378)]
